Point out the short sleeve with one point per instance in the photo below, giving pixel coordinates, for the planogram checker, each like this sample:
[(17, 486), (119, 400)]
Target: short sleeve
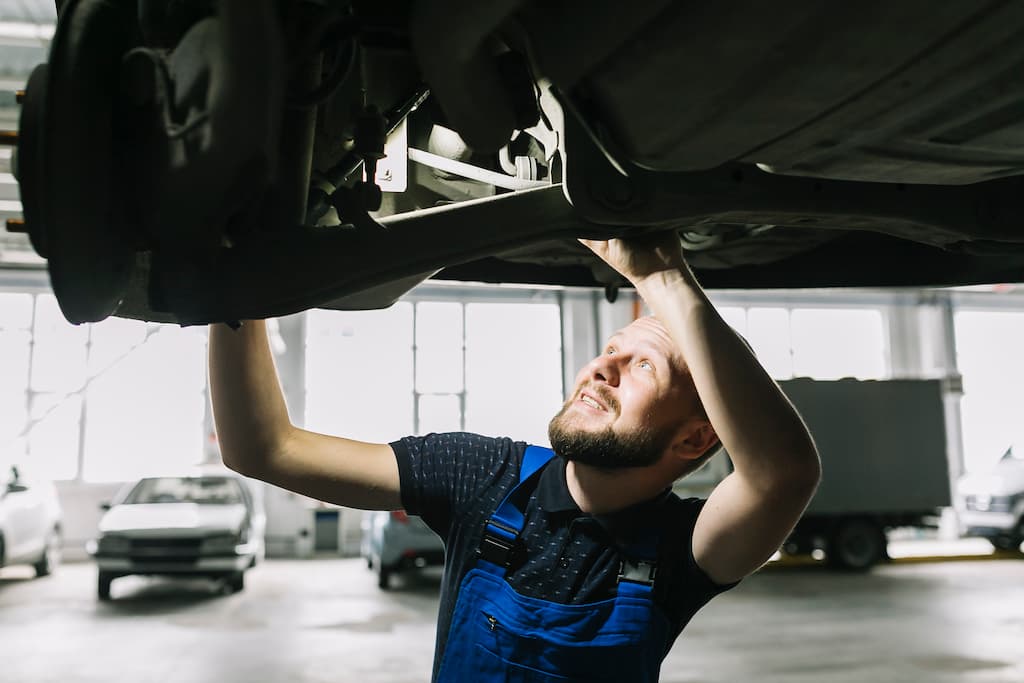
[(690, 588), (444, 475)]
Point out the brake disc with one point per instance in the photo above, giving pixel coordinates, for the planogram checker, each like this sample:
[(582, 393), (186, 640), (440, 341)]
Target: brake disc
[(66, 159)]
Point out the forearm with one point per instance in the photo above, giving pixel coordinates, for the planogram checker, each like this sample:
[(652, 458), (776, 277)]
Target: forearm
[(765, 436), (248, 405)]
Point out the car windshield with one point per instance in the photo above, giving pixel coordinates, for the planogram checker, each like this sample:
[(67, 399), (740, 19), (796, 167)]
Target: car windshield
[(202, 490)]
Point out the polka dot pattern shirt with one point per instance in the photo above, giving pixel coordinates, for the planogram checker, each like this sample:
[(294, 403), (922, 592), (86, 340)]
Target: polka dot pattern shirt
[(455, 481)]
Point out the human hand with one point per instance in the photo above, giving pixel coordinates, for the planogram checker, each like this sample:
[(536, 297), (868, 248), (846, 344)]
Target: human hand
[(640, 257)]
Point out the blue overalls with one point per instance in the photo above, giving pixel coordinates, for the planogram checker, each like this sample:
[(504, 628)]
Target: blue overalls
[(500, 636)]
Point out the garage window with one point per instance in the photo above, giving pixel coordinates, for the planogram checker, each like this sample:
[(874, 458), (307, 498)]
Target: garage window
[(988, 345), (822, 343), (103, 402), (434, 366)]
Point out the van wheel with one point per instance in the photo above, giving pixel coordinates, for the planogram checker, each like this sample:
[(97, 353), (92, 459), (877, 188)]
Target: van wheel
[(51, 557), (103, 582), (856, 545), (1006, 543)]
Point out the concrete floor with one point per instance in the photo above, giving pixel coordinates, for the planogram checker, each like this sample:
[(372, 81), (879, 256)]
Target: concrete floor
[(325, 621)]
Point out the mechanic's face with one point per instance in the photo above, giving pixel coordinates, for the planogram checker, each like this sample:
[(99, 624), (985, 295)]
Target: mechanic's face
[(628, 404)]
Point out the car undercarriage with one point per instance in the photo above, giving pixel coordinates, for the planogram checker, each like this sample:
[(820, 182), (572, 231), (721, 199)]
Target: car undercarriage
[(197, 161)]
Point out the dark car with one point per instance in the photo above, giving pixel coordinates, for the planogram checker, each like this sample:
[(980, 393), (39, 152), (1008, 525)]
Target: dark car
[(830, 144)]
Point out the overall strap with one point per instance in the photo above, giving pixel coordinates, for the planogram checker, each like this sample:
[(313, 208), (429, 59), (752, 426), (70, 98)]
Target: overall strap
[(639, 565), (506, 522)]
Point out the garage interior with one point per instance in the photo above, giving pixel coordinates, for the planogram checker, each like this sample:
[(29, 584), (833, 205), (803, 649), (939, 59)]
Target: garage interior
[(96, 407)]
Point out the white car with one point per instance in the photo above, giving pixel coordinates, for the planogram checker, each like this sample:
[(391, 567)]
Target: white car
[(992, 502), (30, 521), (204, 524)]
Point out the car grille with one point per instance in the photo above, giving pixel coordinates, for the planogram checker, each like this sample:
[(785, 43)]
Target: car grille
[(988, 503), (184, 550)]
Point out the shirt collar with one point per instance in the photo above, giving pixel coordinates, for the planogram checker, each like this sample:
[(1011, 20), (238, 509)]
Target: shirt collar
[(553, 497), (553, 491)]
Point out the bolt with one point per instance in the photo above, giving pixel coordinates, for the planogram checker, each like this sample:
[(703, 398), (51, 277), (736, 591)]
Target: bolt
[(8, 138), (16, 225), (19, 96)]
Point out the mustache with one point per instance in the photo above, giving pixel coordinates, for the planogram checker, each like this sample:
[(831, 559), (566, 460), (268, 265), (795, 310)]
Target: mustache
[(603, 393)]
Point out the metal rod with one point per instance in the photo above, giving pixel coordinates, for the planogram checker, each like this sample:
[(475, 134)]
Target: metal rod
[(9, 138), (16, 225), (347, 166)]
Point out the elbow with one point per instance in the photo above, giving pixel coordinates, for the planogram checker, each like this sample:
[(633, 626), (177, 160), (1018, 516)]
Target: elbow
[(807, 469), (249, 458)]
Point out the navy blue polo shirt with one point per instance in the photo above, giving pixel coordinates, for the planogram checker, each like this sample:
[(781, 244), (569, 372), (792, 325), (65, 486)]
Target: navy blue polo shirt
[(455, 481)]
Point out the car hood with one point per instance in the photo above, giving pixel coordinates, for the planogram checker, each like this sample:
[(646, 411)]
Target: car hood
[(187, 518)]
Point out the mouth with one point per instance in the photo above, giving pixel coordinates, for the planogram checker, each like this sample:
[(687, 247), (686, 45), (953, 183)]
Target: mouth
[(592, 402)]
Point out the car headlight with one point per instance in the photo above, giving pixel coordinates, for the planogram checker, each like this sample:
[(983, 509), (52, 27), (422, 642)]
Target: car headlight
[(113, 545), (222, 543)]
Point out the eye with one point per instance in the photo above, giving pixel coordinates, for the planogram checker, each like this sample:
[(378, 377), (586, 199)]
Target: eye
[(645, 365), (610, 350)]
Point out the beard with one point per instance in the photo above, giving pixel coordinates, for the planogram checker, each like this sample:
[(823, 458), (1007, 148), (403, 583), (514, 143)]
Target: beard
[(606, 449)]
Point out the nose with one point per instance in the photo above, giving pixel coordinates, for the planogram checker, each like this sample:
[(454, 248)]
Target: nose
[(605, 369)]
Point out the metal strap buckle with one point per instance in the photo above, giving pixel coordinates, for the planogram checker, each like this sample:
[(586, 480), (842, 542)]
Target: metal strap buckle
[(497, 549), (641, 571)]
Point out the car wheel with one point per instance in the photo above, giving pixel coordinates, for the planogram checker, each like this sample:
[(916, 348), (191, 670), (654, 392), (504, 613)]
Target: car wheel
[(51, 557), (856, 545), (103, 582), (236, 582), (383, 577)]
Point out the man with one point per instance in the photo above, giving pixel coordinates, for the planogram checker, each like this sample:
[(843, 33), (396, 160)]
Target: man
[(583, 567)]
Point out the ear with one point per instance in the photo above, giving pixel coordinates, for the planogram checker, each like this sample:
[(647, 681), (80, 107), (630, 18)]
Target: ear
[(694, 439)]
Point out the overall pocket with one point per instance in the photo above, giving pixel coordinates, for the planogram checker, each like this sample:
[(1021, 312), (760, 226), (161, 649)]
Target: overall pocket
[(534, 657)]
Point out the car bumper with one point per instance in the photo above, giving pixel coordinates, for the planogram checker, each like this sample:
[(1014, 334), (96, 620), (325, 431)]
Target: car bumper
[(412, 551), (153, 561), (206, 565), (975, 522)]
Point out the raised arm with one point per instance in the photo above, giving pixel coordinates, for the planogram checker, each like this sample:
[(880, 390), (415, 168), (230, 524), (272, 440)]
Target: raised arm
[(752, 511), (258, 439)]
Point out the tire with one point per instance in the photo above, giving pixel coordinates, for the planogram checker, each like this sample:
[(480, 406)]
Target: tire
[(236, 582), (856, 545), (383, 578), (51, 557), (103, 581), (1006, 543)]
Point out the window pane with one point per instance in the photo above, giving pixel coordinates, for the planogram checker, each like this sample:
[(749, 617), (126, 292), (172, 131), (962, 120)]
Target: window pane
[(359, 375), (440, 414), (58, 363), (53, 437), (735, 317), (439, 369), (988, 355), (438, 324), (15, 311), (835, 343), (113, 339), (439, 354), (15, 346), (513, 369), (145, 411), (768, 333)]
